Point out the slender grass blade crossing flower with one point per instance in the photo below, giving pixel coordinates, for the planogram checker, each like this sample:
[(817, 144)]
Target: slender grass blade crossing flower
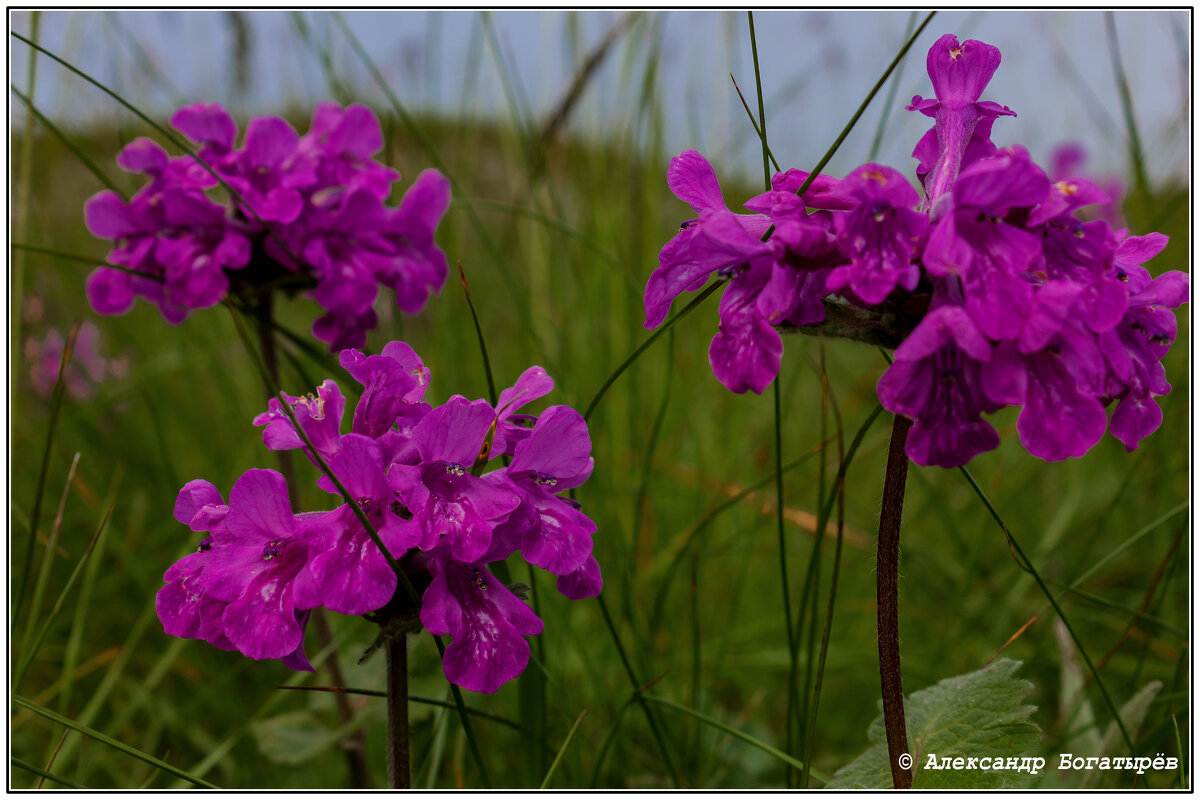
[(434, 486)]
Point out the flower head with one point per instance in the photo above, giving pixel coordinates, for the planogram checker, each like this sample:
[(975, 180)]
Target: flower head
[(1001, 286), (426, 494), (306, 211)]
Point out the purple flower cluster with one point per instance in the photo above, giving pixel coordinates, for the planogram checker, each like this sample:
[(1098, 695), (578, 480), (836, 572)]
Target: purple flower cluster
[(1023, 303), (420, 475), (305, 211)]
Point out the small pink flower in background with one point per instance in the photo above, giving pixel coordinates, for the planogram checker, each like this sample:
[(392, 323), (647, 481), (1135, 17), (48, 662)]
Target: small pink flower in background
[(87, 366)]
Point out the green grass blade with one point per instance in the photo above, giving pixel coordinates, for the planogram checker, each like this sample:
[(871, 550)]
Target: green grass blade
[(877, 141), (67, 143), (39, 588), (44, 774), (428, 701), (517, 105), (608, 741), (170, 136), (531, 702), (99, 262), (515, 287), (777, 428), (1182, 508), (466, 722), (25, 702), (60, 387), (75, 639), (1179, 751), (649, 448), (754, 122), (837, 143), (563, 749), (1131, 128), (487, 364), (638, 694), (41, 637), (839, 490), (654, 337), (619, 267), (745, 737), (1028, 566), (669, 573), (21, 220)]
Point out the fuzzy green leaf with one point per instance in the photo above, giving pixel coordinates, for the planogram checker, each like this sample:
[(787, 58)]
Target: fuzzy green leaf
[(293, 737), (977, 715)]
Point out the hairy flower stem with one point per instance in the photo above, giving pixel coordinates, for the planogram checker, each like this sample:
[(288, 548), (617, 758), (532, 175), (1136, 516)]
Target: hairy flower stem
[(887, 571), (356, 761), (397, 712)]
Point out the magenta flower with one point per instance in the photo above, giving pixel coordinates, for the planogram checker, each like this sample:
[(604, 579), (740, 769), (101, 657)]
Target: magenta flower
[(447, 501), (936, 380), (996, 286), (959, 73), (319, 416), (1133, 351), (304, 211), (487, 621), (420, 477), (716, 240), (555, 535), (349, 572), (881, 236), (236, 591)]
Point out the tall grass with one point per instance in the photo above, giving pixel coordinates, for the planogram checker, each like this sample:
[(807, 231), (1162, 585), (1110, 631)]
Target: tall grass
[(557, 236)]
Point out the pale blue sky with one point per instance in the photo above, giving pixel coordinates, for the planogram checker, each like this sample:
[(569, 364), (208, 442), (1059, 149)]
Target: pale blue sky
[(817, 66)]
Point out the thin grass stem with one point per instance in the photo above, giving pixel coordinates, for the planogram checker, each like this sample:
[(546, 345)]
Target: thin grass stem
[(44, 774), (68, 143), (58, 604), (23, 216), (637, 688), (563, 749), (877, 141), (1028, 567), (1131, 128), (839, 488), (468, 731), (56, 401), (654, 337), (39, 589), (487, 364), (24, 702), (745, 737)]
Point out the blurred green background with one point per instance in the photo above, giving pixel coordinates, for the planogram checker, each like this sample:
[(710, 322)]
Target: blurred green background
[(571, 222)]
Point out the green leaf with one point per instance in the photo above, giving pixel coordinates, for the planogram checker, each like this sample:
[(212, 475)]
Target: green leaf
[(293, 737), (977, 715)]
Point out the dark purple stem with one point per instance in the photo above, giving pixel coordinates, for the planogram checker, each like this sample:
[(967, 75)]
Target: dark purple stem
[(397, 712), (887, 572)]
